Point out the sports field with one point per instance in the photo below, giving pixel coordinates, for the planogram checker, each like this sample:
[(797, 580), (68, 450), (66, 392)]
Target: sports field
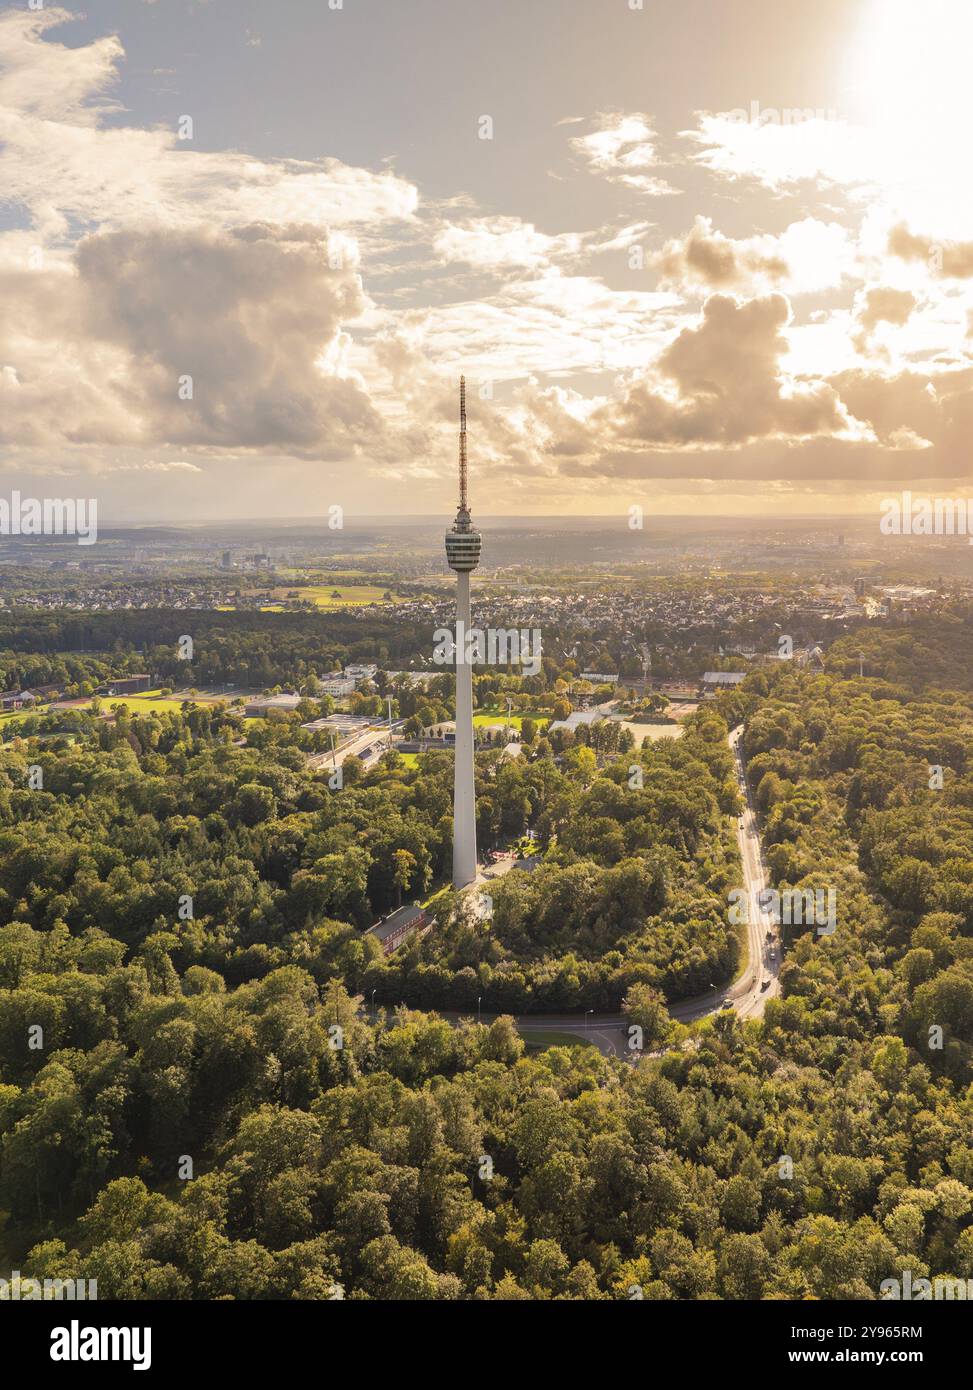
[(495, 718)]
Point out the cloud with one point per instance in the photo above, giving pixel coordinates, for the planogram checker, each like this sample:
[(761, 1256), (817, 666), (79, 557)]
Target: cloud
[(783, 154), (707, 257), (254, 318), (48, 82), (495, 243), (622, 149), (549, 323), (153, 466), (134, 259), (951, 259), (808, 255), (881, 304), (729, 386), (55, 149)]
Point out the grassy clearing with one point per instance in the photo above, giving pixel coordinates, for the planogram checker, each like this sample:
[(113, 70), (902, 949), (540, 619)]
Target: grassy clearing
[(541, 1039), (498, 718), (154, 702), (342, 595), (14, 716)]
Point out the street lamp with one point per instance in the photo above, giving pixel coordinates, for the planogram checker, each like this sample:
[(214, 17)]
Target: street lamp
[(586, 1013), (478, 998)]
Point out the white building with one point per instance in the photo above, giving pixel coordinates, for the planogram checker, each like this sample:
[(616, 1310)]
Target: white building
[(337, 686)]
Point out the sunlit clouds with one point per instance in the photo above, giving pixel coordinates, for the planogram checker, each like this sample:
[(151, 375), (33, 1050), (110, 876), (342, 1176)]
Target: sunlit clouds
[(729, 297)]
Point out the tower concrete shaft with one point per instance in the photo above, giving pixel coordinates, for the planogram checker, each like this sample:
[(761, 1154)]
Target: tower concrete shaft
[(464, 799)]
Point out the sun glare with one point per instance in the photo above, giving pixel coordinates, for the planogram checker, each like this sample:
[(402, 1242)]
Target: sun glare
[(911, 80)]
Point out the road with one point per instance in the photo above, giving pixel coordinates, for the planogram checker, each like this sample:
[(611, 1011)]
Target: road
[(764, 954), (609, 1032)]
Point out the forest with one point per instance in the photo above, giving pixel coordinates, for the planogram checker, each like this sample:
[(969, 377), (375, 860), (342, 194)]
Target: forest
[(198, 1100)]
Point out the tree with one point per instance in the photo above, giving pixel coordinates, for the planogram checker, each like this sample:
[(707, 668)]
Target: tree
[(646, 1008), (404, 871)]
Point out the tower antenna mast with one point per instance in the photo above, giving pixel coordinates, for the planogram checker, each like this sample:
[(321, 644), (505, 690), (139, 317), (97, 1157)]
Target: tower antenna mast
[(463, 463)]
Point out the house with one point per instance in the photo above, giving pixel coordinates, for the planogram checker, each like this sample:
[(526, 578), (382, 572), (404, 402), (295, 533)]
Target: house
[(394, 929), (17, 699)]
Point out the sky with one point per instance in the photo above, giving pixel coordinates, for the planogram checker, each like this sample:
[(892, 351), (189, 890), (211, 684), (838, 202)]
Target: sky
[(707, 257)]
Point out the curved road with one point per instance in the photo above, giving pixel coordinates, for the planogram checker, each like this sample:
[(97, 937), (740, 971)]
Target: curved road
[(609, 1031)]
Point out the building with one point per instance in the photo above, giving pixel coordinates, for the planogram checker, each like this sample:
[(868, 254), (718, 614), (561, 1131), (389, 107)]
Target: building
[(17, 699), (463, 556), (343, 726), (722, 680), (578, 717), (336, 686), (361, 673), (227, 561), (393, 930), (125, 685), (599, 677), (281, 704)]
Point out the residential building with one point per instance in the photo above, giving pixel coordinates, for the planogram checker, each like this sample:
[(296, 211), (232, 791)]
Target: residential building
[(391, 932)]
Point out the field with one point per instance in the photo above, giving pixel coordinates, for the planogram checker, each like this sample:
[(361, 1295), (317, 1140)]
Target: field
[(493, 718), (154, 702), (348, 595), (14, 716), (652, 732)]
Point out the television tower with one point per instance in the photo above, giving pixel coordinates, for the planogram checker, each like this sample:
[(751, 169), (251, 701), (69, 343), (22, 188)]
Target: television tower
[(463, 556)]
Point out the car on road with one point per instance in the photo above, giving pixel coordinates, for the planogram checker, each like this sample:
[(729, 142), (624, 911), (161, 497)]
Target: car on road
[(727, 1004), (765, 983)]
